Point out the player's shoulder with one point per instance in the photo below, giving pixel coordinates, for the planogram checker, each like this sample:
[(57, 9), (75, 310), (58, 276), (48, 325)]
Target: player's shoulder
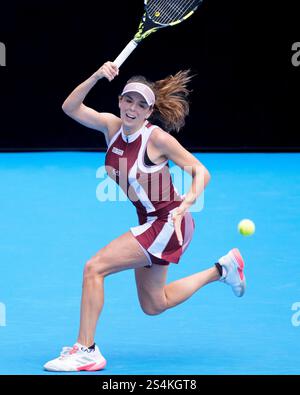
[(114, 124), (111, 120), (160, 138)]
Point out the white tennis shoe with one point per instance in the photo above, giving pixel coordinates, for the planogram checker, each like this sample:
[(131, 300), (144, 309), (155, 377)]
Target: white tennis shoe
[(77, 358), (233, 271)]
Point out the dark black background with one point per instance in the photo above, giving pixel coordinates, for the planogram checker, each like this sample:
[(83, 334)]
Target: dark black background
[(244, 92), (95, 383)]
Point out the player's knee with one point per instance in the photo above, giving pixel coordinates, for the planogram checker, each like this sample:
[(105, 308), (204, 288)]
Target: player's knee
[(94, 267), (153, 309)]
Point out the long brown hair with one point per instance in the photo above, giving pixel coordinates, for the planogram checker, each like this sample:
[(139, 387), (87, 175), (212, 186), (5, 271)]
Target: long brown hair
[(171, 105)]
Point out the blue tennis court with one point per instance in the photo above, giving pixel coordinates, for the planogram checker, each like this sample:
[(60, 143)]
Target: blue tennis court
[(52, 222)]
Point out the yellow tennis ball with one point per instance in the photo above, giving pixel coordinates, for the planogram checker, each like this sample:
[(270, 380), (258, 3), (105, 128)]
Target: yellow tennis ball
[(246, 227)]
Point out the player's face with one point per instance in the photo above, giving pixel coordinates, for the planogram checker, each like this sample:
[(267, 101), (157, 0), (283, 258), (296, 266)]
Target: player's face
[(133, 110)]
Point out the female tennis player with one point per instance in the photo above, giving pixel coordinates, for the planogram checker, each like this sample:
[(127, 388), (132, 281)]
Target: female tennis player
[(137, 159)]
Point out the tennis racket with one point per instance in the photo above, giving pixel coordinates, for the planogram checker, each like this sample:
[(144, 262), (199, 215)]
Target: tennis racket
[(158, 14)]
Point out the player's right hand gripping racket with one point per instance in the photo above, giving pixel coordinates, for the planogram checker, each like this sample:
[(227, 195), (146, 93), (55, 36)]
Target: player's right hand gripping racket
[(158, 14)]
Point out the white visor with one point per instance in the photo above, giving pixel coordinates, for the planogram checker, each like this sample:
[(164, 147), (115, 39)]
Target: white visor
[(142, 89)]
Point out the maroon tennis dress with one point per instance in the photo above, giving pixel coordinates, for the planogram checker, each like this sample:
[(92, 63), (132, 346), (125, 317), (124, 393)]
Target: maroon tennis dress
[(151, 190)]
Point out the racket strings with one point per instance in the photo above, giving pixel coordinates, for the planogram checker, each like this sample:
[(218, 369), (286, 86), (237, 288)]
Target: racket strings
[(167, 11)]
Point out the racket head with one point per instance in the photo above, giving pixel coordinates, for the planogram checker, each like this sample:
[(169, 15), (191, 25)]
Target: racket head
[(170, 12), (164, 13)]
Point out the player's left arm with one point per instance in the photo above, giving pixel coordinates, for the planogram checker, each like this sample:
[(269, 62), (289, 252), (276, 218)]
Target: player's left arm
[(173, 150)]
